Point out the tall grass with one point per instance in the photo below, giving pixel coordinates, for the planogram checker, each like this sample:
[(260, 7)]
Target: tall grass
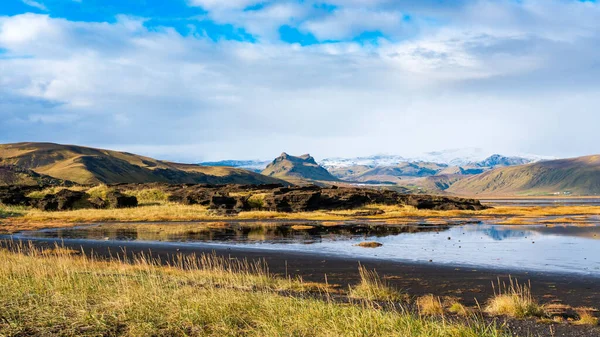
[(58, 293), (515, 300), (373, 288)]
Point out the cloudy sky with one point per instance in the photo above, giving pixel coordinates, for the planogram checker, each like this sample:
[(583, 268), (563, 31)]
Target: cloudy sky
[(195, 80)]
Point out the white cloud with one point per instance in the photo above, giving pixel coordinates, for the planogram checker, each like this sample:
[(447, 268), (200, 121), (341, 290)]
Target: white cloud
[(35, 4), (223, 4), (497, 76), (348, 23)]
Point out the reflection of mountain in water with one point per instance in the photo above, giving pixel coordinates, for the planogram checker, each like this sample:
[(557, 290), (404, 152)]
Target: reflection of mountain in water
[(235, 232), (500, 234)]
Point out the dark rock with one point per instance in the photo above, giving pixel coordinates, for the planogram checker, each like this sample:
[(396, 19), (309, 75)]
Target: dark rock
[(63, 201), (119, 200), (68, 200), (47, 203), (98, 203), (14, 196), (228, 205)]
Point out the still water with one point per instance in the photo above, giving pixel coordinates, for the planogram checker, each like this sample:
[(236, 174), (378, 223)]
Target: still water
[(551, 248)]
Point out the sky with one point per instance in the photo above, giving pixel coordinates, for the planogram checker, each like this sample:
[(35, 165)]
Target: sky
[(198, 80)]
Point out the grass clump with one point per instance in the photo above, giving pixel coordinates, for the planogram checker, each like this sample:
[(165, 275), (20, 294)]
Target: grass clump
[(100, 191), (430, 305), (149, 195), (62, 294), (42, 193), (373, 288), (586, 317), (459, 309), (369, 244), (257, 201), (514, 300)]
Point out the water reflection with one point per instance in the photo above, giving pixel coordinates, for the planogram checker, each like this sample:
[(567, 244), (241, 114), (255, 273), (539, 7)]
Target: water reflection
[(544, 247), (234, 232)]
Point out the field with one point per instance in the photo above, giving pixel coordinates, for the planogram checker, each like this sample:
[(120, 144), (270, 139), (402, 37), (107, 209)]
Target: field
[(20, 218), (57, 292)]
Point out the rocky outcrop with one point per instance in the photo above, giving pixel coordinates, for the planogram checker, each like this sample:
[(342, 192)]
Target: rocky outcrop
[(119, 200), (231, 199), (14, 195)]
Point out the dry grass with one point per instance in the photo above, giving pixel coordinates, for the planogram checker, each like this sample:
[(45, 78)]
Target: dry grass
[(373, 288), (149, 196), (586, 317), (28, 218), (62, 294), (369, 244), (100, 191), (514, 300), (459, 309), (430, 305), (302, 227)]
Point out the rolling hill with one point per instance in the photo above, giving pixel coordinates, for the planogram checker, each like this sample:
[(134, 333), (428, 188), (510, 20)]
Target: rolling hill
[(14, 175), (297, 169), (85, 165), (577, 176)]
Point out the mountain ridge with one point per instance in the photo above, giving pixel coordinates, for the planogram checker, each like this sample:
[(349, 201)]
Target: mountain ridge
[(86, 165)]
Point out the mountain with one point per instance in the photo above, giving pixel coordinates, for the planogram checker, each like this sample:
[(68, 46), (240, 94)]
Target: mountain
[(577, 176), (14, 175), (453, 157), (393, 173), (497, 160), (294, 169), (87, 165), (250, 165)]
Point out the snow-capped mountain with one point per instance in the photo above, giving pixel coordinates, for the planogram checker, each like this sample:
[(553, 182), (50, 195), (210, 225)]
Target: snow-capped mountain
[(250, 165), (452, 157)]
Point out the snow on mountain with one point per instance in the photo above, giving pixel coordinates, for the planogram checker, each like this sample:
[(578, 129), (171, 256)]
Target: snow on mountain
[(451, 157), (251, 165)]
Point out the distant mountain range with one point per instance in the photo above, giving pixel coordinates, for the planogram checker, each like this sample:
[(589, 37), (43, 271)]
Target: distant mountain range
[(85, 165), (495, 175), (454, 157)]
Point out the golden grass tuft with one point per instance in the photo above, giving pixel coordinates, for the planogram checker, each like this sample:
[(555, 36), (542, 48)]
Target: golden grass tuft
[(373, 288), (100, 191), (149, 195), (430, 305), (369, 244), (302, 227), (459, 309), (514, 300), (586, 317)]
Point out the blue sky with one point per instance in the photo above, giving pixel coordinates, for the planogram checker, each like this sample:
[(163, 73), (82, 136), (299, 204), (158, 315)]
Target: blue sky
[(198, 80)]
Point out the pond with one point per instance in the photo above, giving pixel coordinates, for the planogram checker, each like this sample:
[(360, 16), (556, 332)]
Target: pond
[(568, 248)]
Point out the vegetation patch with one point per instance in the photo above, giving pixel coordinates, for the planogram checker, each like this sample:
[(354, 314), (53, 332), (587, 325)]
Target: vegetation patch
[(373, 288), (63, 294), (514, 300), (302, 227), (430, 305), (149, 195), (369, 244)]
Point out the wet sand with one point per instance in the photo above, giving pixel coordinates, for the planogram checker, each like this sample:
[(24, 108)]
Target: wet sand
[(468, 284)]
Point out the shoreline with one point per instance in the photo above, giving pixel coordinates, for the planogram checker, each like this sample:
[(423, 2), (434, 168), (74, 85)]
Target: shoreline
[(472, 285)]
